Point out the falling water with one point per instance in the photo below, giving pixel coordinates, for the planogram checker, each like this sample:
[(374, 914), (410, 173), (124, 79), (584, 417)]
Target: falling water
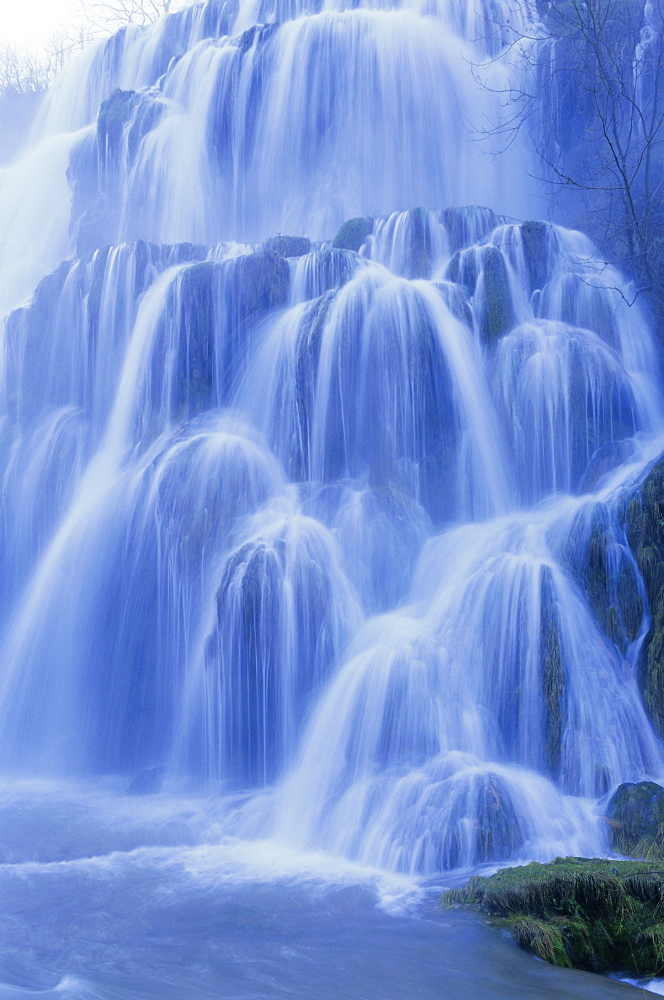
[(304, 522)]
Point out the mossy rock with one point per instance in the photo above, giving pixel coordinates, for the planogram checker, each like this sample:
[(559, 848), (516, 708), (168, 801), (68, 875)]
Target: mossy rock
[(594, 914), (261, 283), (456, 302), (636, 819), (644, 526), (603, 461), (114, 113), (610, 581), (288, 246), (482, 272), (353, 234), (463, 269), (469, 224), (420, 251), (535, 240), (498, 833), (553, 676), (496, 312)]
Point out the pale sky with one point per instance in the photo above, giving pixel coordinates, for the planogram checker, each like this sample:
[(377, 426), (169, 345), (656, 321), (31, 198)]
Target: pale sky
[(29, 23)]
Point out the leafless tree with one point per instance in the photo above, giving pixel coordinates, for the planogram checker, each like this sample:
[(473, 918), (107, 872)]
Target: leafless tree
[(102, 16), (593, 102), (23, 72)]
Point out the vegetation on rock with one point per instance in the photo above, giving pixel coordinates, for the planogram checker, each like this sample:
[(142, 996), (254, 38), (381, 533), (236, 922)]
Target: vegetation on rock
[(481, 271), (636, 819), (645, 533), (552, 674), (593, 914)]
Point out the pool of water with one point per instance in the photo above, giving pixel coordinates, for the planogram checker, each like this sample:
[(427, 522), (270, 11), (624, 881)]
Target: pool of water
[(115, 898)]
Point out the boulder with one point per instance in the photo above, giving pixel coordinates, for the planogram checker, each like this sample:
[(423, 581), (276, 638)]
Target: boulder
[(288, 246), (353, 233), (636, 819)]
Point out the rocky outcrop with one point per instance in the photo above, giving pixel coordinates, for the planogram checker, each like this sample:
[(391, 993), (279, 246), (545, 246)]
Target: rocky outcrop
[(482, 272), (636, 819), (585, 913), (644, 517), (353, 233), (288, 246)]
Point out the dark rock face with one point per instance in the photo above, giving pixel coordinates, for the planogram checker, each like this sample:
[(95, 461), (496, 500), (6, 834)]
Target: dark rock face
[(636, 818), (98, 165), (469, 224), (605, 460), (552, 674), (535, 241), (496, 314), (261, 283), (604, 567), (481, 271), (498, 833), (288, 246), (352, 234), (645, 533)]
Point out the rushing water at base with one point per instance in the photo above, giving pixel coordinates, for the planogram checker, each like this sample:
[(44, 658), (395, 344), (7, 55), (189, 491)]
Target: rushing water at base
[(108, 897), (301, 536)]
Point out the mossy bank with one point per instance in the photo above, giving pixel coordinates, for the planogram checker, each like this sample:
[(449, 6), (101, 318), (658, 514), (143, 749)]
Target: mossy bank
[(599, 915)]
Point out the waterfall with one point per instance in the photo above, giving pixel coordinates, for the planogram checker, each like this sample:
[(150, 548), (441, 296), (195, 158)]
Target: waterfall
[(305, 466)]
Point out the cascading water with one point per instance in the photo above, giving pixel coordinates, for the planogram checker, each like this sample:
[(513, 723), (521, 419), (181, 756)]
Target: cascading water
[(306, 524)]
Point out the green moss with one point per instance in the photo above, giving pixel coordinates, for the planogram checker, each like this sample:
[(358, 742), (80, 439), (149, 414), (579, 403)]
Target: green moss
[(592, 914), (496, 313), (618, 607), (544, 940), (644, 525), (636, 819), (497, 830), (353, 233), (552, 674)]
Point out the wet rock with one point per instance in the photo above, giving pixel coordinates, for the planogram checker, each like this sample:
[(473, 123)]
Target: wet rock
[(495, 315), (454, 299), (535, 241), (419, 250), (288, 246), (353, 233), (610, 582), (498, 831), (482, 272), (603, 461), (261, 282), (100, 162), (553, 678), (322, 270), (636, 819), (585, 913), (469, 224), (644, 515)]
